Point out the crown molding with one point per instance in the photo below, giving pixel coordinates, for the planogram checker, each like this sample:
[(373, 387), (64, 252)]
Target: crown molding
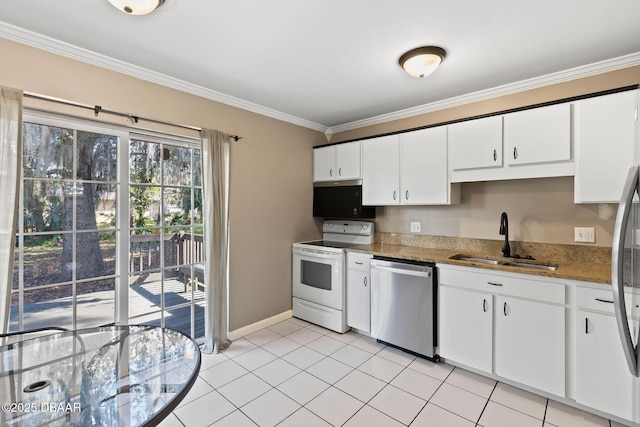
[(511, 88), (48, 44), (51, 45)]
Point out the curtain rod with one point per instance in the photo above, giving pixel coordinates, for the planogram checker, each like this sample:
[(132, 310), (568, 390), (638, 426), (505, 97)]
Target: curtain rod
[(97, 109)]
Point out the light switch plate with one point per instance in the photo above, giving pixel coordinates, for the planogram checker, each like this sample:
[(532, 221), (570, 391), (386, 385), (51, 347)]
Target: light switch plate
[(585, 234), (416, 227)]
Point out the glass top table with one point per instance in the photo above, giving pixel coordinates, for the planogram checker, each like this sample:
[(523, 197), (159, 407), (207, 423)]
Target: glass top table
[(105, 376)]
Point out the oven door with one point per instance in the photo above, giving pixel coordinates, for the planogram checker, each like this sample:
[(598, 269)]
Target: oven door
[(318, 277)]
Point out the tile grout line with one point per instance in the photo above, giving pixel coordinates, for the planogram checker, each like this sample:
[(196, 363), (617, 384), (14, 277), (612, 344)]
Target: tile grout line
[(486, 403)]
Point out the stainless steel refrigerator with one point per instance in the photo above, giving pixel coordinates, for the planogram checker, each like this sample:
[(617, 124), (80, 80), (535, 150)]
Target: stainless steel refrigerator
[(625, 278)]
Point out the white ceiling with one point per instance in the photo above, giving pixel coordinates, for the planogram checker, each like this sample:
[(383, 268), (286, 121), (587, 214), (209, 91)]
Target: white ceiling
[(334, 63)]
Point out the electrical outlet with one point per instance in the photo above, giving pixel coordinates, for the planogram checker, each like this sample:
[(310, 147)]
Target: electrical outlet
[(416, 227), (585, 234)]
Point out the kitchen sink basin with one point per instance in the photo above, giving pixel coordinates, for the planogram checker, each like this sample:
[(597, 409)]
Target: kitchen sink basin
[(477, 259), (511, 262)]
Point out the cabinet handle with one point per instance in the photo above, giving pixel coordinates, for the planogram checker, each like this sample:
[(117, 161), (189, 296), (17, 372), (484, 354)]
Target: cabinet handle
[(365, 281), (394, 194), (406, 194), (495, 155), (339, 171), (504, 309), (586, 325), (330, 172), (604, 300), (359, 263), (515, 152), (494, 284), (484, 305)]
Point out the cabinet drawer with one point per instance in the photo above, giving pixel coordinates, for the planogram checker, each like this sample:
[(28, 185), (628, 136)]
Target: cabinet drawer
[(503, 284), (600, 299), (359, 262)]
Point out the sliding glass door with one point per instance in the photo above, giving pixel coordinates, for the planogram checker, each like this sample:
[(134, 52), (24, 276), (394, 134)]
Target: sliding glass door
[(166, 256), (110, 229)]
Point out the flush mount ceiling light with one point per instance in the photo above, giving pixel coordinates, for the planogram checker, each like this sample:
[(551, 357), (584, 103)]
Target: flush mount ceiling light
[(422, 61), (137, 7)]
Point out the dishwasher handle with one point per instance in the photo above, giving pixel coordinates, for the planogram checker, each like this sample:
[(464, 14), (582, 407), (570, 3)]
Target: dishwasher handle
[(400, 269)]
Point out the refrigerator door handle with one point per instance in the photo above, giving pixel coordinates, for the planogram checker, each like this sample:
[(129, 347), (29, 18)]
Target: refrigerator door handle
[(617, 269)]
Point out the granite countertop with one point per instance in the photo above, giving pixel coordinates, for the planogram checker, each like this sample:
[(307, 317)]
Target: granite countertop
[(574, 262)]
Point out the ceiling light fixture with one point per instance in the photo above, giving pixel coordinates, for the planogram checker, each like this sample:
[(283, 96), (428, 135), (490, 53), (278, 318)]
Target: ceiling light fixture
[(422, 61), (137, 7)]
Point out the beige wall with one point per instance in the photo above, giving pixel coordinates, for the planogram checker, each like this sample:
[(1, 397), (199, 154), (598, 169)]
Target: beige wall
[(540, 210), (271, 169)]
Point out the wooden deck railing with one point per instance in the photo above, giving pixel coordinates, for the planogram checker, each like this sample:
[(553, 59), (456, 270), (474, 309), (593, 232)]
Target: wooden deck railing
[(179, 249)]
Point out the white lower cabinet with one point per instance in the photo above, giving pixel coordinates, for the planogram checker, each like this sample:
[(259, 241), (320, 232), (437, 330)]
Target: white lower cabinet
[(530, 343), (466, 327), (507, 324), (359, 291), (603, 381)]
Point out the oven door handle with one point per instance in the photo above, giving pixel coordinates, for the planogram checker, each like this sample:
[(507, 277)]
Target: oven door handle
[(316, 254)]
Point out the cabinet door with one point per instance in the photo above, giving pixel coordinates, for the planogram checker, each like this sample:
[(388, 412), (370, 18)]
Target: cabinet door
[(381, 171), (538, 135), (530, 343), (348, 160), (359, 300), (605, 135), (475, 143), (425, 176), (324, 159), (603, 380), (465, 327)]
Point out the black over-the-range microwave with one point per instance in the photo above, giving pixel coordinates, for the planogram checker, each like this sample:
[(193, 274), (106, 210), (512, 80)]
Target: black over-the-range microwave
[(340, 200)]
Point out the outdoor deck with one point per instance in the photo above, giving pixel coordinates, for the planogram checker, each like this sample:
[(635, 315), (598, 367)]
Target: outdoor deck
[(97, 308)]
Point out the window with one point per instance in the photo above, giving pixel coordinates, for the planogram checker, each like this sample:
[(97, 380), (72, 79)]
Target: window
[(110, 228)]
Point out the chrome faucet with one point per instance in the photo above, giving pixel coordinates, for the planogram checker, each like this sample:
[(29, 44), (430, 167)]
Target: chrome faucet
[(504, 231)]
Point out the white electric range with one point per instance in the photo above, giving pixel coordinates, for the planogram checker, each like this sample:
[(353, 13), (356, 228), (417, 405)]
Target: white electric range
[(319, 273)]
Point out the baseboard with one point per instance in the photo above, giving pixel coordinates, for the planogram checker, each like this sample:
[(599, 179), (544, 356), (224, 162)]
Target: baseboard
[(249, 329)]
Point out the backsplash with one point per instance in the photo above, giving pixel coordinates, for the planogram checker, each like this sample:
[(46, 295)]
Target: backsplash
[(540, 210), (549, 252)]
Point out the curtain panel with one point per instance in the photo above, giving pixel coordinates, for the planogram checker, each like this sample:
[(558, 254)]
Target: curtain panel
[(215, 166), (10, 151)]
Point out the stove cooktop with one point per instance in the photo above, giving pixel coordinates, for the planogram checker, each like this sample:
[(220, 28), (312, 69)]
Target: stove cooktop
[(329, 244)]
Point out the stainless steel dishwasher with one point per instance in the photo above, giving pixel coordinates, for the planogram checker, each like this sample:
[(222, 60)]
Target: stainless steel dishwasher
[(403, 304)]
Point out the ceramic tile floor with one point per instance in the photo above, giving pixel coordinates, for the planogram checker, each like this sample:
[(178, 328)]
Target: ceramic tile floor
[(297, 374)]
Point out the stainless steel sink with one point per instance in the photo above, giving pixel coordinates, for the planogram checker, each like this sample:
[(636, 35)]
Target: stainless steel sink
[(481, 260), (512, 262)]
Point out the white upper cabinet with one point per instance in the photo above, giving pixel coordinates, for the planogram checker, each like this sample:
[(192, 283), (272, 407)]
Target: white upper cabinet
[(348, 160), (407, 169), (538, 135), (324, 159), (337, 162), (381, 171), (476, 143), (606, 135), (531, 143), (424, 175)]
